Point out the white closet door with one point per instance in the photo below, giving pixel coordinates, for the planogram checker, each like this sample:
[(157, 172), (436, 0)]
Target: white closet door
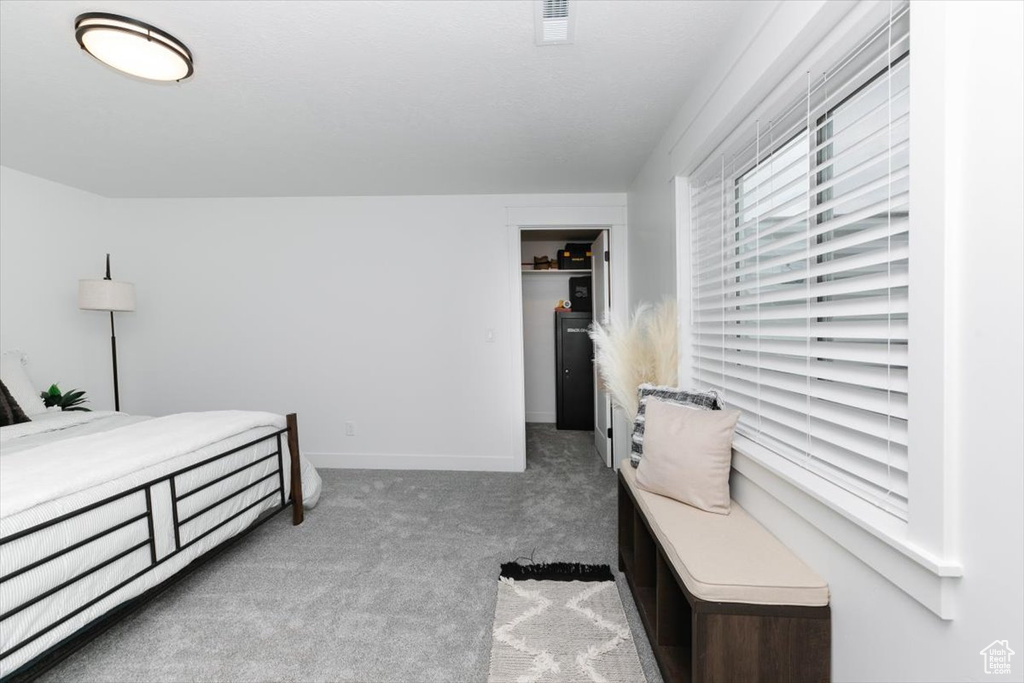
[(602, 306)]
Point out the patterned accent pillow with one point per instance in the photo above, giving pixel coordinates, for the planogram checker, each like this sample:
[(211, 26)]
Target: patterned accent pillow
[(10, 412), (702, 400)]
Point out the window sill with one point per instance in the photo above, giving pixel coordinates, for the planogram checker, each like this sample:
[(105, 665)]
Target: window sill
[(873, 536)]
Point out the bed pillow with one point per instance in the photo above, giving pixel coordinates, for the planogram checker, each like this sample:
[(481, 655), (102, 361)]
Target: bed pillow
[(10, 412), (703, 400), (14, 375), (688, 454)]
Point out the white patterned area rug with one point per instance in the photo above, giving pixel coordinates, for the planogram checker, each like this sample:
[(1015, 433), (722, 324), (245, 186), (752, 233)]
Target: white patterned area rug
[(561, 622)]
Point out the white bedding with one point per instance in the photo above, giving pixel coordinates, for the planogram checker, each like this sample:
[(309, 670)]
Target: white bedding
[(38, 475), (66, 462), (43, 425)]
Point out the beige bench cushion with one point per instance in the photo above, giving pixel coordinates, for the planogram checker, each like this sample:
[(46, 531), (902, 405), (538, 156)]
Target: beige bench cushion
[(727, 558)]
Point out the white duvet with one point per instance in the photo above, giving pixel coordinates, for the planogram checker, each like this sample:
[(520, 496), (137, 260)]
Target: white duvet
[(47, 472), (63, 462), (14, 436)]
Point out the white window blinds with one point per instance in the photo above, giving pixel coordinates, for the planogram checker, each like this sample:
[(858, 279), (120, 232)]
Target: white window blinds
[(800, 240)]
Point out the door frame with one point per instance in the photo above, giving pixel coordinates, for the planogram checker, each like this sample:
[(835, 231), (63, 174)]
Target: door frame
[(521, 218), (603, 442)]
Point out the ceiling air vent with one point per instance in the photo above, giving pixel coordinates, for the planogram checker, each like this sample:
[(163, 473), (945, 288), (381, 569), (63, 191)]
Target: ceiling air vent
[(555, 22)]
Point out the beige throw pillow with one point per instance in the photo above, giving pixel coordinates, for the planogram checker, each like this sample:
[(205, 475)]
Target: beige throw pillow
[(687, 454)]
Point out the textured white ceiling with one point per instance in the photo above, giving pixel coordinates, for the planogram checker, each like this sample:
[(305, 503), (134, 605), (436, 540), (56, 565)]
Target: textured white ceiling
[(352, 98)]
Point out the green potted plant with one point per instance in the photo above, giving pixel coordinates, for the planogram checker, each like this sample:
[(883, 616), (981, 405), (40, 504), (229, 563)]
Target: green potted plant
[(71, 400)]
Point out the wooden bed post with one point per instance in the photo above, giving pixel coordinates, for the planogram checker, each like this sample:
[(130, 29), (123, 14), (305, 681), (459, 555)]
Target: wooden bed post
[(293, 449)]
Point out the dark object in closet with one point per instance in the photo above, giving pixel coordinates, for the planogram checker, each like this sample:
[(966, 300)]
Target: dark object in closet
[(574, 368), (575, 256), (579, 294)]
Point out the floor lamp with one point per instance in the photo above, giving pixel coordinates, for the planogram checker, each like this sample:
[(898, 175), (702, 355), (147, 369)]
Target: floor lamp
[(108, 295)]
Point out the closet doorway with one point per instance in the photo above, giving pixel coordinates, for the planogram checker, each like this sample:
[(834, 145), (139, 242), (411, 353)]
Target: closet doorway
[(568, 266)]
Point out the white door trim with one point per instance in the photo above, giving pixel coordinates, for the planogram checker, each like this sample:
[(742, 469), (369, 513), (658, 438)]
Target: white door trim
[(601, 295), (519, 218)]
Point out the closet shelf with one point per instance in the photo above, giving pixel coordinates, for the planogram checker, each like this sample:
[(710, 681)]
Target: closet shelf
[(531, 271)]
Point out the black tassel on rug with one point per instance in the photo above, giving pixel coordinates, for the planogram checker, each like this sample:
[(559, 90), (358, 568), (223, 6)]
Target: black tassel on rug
[(557, 571)]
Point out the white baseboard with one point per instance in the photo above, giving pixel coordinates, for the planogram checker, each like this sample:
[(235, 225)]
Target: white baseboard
[(389, 461), (541, 417)]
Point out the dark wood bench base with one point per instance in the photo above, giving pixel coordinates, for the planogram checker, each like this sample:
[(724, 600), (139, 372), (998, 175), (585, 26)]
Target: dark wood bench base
[(697, 641)]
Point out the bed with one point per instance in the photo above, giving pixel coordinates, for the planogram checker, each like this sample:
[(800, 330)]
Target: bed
[(100, 508)]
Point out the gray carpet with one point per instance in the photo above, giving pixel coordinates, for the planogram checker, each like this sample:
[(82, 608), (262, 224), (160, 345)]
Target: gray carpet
[(392, 578)]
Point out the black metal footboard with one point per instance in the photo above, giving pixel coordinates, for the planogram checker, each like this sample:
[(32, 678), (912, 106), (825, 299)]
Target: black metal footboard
[(155, 559)]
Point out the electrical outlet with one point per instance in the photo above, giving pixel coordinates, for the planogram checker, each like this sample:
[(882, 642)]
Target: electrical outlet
[(350, 429)]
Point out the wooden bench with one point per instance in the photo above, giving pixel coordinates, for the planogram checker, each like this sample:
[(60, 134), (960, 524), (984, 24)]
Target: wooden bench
[(720, 597)]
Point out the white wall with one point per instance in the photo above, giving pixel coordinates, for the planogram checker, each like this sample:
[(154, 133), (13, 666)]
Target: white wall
[(879, 632), (540, 294), (364, 309), (652, 237), (50, 237), (651, 197)]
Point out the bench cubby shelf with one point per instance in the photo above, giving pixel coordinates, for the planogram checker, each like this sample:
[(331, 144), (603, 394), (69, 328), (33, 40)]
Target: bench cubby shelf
[(697, 641)]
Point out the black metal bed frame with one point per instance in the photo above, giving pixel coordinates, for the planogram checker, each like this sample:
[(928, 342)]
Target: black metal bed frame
[(68, 645)]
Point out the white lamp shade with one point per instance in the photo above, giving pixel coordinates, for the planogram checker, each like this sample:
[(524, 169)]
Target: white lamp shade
[(106, 295)]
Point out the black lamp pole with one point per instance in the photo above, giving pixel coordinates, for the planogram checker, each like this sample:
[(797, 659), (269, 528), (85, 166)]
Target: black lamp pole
[(113, 348)]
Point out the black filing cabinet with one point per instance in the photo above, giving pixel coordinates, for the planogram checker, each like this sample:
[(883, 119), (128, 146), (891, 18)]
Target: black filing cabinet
[(574, 365)]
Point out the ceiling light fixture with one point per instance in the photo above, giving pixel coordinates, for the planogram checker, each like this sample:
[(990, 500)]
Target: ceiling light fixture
[(133, 47)]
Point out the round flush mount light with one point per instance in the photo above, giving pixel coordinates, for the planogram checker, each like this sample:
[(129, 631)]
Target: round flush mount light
[(133, 47)]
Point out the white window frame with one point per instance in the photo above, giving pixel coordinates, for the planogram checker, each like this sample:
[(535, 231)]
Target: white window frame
[(919, 555)]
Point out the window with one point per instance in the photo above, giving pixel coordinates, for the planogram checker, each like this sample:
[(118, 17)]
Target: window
[(799, 259)]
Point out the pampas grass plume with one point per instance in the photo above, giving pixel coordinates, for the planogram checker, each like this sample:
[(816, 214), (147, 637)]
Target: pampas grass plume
[(662, 343), (644, 349)]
